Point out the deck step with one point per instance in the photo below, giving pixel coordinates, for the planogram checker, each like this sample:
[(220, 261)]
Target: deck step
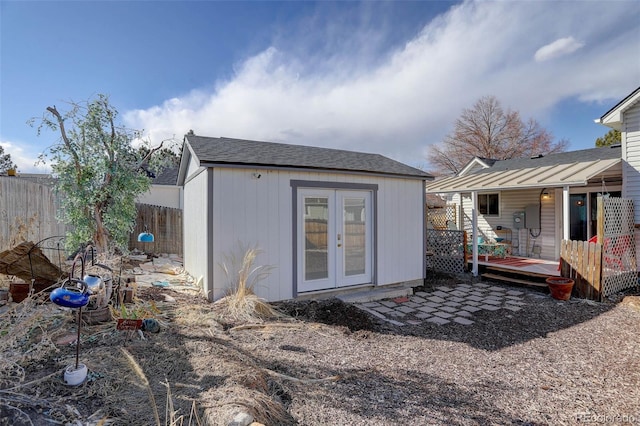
[(490, 276), (514, 271)]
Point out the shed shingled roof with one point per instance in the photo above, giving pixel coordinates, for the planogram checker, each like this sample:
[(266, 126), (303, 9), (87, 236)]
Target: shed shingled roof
[(212, 151)]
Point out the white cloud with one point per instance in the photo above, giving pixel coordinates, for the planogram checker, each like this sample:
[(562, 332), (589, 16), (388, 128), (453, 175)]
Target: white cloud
[(25, 160), (410, 97), (560, 47)]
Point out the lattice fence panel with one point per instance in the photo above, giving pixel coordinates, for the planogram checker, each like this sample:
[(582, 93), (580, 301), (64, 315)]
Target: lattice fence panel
[(619, 270), (445, 250), (441, 217)]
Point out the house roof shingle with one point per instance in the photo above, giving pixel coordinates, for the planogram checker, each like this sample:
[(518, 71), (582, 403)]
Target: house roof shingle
[(227, 151), (569, 157), (168, 176)]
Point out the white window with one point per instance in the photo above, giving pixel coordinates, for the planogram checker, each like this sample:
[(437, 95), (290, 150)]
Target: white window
[(489, 204)]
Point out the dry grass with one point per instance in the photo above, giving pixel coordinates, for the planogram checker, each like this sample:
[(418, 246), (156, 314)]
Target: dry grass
[(549, 363), (231, 400), (174, 418), (242, 305), (28, 330)]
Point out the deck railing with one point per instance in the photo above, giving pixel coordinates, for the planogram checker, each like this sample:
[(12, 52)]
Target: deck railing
[(582, 261)]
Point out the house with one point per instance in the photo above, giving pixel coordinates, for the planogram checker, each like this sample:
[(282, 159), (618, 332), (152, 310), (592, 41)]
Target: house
[(532, 204), (625, 117), (326, 220), (164, 190)]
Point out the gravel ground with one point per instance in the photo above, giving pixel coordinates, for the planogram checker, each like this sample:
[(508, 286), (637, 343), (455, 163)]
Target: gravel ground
[(551, 363)]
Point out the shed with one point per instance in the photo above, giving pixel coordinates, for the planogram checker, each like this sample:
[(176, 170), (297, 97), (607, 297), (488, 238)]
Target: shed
[(325, 220)]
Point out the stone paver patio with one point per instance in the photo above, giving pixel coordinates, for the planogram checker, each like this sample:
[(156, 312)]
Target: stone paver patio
[(447, 305)]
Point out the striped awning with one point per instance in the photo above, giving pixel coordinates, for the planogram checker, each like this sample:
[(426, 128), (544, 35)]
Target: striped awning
[(560, 175)]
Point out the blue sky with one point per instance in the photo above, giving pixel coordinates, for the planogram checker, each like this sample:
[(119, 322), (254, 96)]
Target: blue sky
[(384, 77)]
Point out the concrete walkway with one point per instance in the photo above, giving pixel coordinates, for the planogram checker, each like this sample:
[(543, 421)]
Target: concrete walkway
[(446, 305)]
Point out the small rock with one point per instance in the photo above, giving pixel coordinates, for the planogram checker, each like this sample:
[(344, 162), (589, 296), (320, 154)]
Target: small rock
[(169, 299), (241, 419), (151, 325), (632, 301)]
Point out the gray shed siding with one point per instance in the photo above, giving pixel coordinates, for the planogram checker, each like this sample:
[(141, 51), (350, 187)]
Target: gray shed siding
[(196, 230), (258, 212)]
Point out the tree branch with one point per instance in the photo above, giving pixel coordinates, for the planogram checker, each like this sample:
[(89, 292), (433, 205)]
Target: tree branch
[(65, 138), (149, 154)]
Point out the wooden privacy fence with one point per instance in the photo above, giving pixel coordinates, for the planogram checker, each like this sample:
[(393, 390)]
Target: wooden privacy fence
[(606, 264), (315, 231), (165, 223), (582, 261), (27, 211)]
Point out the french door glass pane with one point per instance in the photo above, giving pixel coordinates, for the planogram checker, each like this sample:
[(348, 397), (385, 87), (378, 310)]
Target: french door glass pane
[(578, 217), (355, 236), (316, 251)]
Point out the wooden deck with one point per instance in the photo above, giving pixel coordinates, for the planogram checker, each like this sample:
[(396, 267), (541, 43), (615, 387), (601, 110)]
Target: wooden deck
[(517, 270), (538, 268)]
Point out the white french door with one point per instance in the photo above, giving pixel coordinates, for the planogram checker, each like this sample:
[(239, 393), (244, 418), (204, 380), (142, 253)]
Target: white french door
[(334, 238)]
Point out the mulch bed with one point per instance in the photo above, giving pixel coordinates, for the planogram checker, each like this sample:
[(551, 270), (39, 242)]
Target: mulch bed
[(551, 363)]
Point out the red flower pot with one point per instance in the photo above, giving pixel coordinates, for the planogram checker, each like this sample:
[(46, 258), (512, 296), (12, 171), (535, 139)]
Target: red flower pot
[(560, 287)]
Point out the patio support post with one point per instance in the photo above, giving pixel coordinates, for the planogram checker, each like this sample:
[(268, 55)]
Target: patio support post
[(474, 232), (565, 213)]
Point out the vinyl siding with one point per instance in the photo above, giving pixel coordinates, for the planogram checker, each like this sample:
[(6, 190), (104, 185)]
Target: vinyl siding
[(631, 155), (163, 195), (511, 202), (631, 165)]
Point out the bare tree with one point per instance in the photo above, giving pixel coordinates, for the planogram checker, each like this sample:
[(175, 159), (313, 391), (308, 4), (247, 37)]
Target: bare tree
[(487, 131)]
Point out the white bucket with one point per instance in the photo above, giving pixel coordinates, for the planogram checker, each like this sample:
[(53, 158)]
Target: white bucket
[(74, 376)]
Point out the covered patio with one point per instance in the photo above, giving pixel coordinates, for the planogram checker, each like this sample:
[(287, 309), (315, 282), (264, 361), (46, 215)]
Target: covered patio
[(540, 201)]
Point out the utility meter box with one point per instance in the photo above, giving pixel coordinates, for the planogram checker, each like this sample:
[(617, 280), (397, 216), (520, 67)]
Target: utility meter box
[(518, 220), (532, 216)]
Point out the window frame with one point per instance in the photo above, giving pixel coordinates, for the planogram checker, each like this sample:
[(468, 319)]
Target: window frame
[(488, 204)]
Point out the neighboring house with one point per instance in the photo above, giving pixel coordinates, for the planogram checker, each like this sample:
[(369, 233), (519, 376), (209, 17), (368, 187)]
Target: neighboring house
[(43, 178), (625, 117), (536, 202), (324, 219), (164, 190)]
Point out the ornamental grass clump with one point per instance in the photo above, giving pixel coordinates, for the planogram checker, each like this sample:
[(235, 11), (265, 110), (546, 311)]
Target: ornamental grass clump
[(242, 304)]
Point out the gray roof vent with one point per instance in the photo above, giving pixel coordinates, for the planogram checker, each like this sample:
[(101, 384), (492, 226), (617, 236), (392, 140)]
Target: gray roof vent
[(537, 156)]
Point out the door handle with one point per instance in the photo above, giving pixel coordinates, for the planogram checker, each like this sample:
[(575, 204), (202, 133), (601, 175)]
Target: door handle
[(339, 238)]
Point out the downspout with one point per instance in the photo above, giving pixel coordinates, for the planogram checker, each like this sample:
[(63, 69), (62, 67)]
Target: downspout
[(474, 232), (565, 213), (424, 232)]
